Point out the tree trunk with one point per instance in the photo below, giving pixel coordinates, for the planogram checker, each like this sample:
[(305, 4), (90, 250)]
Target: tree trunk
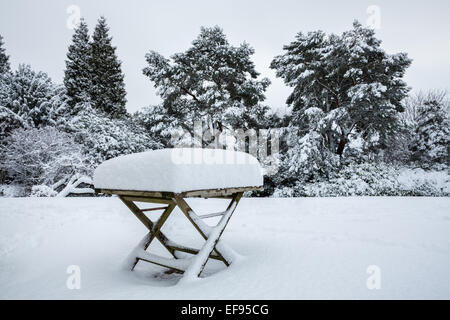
[(341, 146)]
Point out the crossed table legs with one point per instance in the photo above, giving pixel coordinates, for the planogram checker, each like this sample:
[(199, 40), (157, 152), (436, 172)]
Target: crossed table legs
[(192, 266)]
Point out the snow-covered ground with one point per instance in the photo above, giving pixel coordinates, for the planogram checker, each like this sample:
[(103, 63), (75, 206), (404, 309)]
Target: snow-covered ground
[(291, 249)]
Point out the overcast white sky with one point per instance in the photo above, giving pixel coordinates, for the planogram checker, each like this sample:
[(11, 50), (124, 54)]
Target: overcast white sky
[(35, 33)]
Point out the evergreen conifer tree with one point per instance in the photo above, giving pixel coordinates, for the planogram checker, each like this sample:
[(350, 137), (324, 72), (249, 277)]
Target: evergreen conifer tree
[(108, 87), (431, 143), (4, 59), (343, 85), (77, 76), (212, 81)]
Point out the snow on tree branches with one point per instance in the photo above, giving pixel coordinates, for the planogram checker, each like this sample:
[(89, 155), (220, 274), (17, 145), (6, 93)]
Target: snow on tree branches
[(29, 99), (431, 143), (212, 81), (345, 132), (105, 138), (77, 76), (43, 157), (108, 88), (93, 71), (357, 86), (4, 59)]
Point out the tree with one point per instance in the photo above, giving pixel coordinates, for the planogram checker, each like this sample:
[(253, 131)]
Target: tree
[(108, 87), (4, 59), (157, 123), (431, 143), (105, 138), (29, 99), (77, 76), (415, 101), (343, 85), (400, 146), (212, 81)]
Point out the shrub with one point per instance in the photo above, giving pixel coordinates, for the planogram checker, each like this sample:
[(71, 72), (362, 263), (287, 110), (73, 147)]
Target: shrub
[(44, 156), (373, 179)]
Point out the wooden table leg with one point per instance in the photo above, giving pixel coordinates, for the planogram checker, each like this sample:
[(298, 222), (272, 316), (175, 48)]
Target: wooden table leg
[(191, 266), (154, 229), (210, 234)]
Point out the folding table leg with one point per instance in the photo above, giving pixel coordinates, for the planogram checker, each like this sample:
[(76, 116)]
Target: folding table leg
[(154, 229), (192, 267), (157, 227), (210, 234)]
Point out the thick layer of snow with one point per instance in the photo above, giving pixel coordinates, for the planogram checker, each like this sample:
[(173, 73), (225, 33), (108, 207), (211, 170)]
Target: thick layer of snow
[(179, 170), (289, 249)]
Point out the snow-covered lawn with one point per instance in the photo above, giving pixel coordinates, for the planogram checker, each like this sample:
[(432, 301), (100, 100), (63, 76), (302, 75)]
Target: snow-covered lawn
[(291, 249)]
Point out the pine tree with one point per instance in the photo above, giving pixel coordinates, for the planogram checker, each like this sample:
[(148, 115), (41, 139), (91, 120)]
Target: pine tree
[(77, 76), (108, 87), (346, 83), (431, 142), (212, 81), (4, 59)]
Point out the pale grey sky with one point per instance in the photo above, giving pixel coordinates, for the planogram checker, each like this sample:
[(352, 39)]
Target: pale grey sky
[(35, 33)]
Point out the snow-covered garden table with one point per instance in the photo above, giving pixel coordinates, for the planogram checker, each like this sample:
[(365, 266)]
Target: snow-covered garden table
[(168, 177)]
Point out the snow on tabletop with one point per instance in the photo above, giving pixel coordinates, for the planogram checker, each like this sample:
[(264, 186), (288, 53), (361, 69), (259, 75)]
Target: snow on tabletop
[(179, 170)]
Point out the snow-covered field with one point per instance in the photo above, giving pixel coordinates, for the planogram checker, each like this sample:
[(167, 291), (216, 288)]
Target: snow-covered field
[(303, 248)]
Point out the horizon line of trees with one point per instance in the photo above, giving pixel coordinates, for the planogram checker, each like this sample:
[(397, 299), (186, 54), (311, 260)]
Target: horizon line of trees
[(349, 105)]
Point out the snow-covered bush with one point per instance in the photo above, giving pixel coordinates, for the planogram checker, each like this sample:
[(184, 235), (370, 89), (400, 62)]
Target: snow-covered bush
[(29, 99), (44, 156), (104, 137), (57, 160), (367, 179), (308, 159), (12, 190), (304, 158), (42, 191), (373, 179), (420, 182)]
